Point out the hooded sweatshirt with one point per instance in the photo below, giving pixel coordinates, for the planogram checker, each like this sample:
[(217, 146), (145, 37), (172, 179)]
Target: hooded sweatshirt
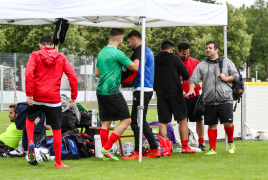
[(43, 76), (168, 70), (215, 91)]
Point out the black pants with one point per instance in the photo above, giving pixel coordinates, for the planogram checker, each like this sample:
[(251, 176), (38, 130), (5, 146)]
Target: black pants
[(147, 131)]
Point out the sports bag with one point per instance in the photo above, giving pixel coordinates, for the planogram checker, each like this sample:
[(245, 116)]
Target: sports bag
[(237, 87), (69, 149), (128, 78), (199, 106)]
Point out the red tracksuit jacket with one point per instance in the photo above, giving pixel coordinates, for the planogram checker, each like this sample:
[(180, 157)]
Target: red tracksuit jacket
[(43, 76), (190, 64)]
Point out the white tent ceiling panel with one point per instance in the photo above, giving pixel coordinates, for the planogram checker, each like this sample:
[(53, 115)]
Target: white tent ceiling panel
[(119, 13)]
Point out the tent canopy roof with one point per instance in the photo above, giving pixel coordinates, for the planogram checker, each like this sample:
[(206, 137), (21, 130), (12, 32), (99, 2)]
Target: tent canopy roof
[(116, 13)]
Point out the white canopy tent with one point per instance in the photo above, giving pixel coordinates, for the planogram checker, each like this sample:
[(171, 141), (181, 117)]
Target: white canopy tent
[(117, 13)]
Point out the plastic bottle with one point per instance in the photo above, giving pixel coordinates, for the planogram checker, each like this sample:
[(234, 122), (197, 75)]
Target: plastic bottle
[(20, 148), (94, 117), (249, 138), (113, 124), (177, 150)]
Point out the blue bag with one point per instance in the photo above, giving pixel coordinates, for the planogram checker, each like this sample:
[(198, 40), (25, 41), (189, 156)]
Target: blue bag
[(69, 150)]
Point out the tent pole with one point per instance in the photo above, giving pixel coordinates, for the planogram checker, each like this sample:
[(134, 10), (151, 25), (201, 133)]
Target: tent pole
[(225, 55), (141, 107)]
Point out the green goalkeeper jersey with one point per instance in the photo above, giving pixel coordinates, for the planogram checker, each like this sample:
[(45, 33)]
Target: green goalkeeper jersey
[(110, 62)]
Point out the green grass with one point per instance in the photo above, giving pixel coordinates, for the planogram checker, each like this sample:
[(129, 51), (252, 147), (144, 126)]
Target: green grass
[(249, 162)]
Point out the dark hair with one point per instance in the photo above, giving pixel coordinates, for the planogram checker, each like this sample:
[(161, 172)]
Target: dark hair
[(166, 45), (13, 106), (216, 46), (134, 33), (183, 46), (46, 40), (116, 32)]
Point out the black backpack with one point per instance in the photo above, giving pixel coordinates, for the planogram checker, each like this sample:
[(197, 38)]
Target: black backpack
[(237, 87)]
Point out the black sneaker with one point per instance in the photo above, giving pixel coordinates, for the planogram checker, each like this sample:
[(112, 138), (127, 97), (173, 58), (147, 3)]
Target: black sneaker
[(202, 147)]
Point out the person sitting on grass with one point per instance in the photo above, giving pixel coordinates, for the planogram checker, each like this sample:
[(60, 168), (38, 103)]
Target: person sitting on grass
[(12, 135)]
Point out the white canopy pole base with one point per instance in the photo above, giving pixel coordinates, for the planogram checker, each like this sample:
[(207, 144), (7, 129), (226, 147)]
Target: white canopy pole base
[(225, 55), (141, 107)]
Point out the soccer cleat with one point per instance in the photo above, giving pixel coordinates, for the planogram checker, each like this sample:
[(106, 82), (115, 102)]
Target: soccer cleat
[(132, 156), (60, 165), (231, 148), (202, 147), (211, 152), (187, 150), (31, 153), (151, 154), (109, 154)]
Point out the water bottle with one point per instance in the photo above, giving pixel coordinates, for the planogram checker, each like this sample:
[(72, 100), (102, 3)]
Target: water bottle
[(20, 148), (94, 117), (177, 150), (249, 138), (113, 124)]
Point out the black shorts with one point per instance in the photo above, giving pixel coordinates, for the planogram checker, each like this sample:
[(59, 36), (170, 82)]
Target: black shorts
[(222, 112), (112, 107), (190, 105), (167, 107), (53, 115)]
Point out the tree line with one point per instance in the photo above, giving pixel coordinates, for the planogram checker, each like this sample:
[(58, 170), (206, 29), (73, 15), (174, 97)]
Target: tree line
[(247, 38)]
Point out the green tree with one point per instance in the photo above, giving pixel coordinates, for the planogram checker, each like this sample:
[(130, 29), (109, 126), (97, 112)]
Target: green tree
[(25, 39), (175, 35), (257, 21), (238, 40)]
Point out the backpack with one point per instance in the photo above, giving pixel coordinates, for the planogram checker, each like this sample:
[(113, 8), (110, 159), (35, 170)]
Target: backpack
[(69, 149), (128, 78), (237, 87)]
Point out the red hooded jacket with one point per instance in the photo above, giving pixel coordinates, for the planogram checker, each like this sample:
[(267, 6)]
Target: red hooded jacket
[(190, 64), (43, 76)]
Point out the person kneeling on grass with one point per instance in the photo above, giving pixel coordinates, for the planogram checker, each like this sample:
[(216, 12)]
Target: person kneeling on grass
[(43, 79), (218, 94), (112, 105), (170, 100), (12, 135)]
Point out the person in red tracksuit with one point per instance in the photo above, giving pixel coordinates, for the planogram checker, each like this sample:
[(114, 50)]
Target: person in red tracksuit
[(43, 79), (190, 64)]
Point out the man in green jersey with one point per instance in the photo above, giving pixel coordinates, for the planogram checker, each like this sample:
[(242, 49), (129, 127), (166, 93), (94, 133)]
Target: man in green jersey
[(11, 136), (112, 105)]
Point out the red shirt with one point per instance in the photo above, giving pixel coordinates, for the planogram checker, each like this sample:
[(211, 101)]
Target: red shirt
[(43, 76), (190, 64)]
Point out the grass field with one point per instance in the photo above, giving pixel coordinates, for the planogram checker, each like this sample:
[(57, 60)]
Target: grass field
[(249, 162)]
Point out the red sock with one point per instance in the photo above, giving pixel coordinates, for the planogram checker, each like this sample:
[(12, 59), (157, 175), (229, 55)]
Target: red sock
[(29, 129), (184, 144), (57, 143), (201, 141), (230, 133), (104, 134), (212, 136), (113, 138)]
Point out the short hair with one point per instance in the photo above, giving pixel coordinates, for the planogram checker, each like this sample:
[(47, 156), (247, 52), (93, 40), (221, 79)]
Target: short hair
[(116, 32), (46, 40), (134, 33), (216, 46), (13, 106), (183, 46), (166, 45)]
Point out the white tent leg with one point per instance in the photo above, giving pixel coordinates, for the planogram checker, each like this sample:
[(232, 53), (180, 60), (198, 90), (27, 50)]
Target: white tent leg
[(141, 107), (225, 55)]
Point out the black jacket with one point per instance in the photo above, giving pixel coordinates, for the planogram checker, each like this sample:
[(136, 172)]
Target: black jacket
[(168, 69)]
